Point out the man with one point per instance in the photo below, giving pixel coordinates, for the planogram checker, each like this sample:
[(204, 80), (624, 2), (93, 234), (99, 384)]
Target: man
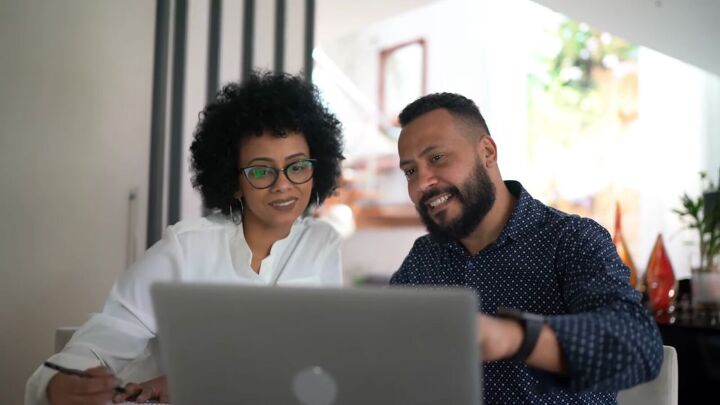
[(568, 328)]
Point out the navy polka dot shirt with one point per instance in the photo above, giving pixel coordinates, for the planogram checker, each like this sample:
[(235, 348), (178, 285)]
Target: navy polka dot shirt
[(562, 266)]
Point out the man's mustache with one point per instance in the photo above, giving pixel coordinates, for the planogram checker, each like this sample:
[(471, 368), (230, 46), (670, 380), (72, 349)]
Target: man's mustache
[(432, 193)]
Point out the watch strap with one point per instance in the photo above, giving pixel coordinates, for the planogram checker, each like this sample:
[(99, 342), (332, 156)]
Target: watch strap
[(531, 325)]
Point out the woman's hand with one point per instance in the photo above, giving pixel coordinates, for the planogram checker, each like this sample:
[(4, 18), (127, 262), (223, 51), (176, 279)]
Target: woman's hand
[(152, 390), (95, 388)]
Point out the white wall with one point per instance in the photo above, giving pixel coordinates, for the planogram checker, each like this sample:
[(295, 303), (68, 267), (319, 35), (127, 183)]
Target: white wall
[(469, 57), (377, 251), (678, 141), (75, 80), (195, 94), (337, 18)]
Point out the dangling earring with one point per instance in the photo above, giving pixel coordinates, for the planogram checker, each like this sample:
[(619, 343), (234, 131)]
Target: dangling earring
[(242, 209), (236, 218), (232, 216), (317, 199)]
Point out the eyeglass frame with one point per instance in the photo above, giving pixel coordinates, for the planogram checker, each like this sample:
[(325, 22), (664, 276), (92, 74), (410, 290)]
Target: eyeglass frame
[(244, 170)]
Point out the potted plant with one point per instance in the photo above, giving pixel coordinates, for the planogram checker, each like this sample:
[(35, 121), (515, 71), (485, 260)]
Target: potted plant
[(702, 214)]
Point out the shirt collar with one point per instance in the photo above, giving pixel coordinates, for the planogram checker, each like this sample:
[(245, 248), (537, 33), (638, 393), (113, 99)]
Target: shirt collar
[(526, 215), (239, 234)]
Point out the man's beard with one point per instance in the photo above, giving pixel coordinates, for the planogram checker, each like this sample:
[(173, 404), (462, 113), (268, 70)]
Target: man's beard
[(476, 198)]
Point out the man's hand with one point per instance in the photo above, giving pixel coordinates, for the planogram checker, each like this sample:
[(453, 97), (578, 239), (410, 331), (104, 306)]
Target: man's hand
[(96, 388), (501, 338), (152, 390), (498, 338)]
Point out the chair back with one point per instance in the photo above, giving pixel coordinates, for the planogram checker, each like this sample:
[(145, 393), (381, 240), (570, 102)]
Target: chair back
[(663, 390)]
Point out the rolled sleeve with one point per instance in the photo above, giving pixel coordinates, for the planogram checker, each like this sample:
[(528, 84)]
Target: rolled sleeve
[(609, 340)]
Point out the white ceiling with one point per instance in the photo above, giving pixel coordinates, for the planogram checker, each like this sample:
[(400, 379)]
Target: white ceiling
[(688, 30), (335, 18)]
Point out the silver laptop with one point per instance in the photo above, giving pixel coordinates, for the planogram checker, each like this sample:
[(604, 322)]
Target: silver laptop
[(256, 345)]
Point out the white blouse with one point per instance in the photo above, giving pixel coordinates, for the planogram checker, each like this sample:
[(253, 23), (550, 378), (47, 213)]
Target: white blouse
[(211, 249)]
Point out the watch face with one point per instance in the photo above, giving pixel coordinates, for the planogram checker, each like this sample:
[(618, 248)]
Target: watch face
[(512, 313)]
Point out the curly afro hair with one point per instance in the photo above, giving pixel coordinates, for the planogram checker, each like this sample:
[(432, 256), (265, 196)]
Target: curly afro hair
[(273, 102)]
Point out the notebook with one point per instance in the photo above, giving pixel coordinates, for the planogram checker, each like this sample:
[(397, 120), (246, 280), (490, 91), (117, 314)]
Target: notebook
[(225, 344)]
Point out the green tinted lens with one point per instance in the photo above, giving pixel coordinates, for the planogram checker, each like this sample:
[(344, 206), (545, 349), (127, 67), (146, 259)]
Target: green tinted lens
[(260, 176), (300, 171), (258, 172)]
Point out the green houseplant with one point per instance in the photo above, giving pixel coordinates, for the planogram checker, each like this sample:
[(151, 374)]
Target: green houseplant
[(702, 214)]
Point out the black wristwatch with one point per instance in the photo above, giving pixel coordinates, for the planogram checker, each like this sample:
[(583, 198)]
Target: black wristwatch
[(531, 325)]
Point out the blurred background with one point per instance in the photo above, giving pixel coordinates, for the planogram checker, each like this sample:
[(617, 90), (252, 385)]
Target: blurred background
[(593, 105)]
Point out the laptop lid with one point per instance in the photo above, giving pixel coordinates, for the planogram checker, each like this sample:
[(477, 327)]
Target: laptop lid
[(224, 344)]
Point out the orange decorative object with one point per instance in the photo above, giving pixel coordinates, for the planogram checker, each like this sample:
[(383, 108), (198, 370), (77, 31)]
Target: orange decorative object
[(622, 248), (660, 280)]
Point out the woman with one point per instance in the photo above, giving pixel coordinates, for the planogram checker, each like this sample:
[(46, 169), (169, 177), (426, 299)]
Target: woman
[(263, 154)]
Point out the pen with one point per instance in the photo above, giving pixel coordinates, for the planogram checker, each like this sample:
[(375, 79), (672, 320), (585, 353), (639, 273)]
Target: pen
[(72, 371)]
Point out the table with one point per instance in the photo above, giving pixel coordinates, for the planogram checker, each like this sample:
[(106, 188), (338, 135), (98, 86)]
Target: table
[(697, 341)]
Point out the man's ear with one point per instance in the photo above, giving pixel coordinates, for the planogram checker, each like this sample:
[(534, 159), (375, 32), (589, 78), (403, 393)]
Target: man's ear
[(487, 151)]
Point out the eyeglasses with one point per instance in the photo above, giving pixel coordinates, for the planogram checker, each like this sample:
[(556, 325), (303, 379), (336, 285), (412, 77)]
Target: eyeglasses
[(262, 176)]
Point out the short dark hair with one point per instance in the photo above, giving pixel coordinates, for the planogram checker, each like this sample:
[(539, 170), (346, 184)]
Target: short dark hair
[(274, 102), (459, 106)]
